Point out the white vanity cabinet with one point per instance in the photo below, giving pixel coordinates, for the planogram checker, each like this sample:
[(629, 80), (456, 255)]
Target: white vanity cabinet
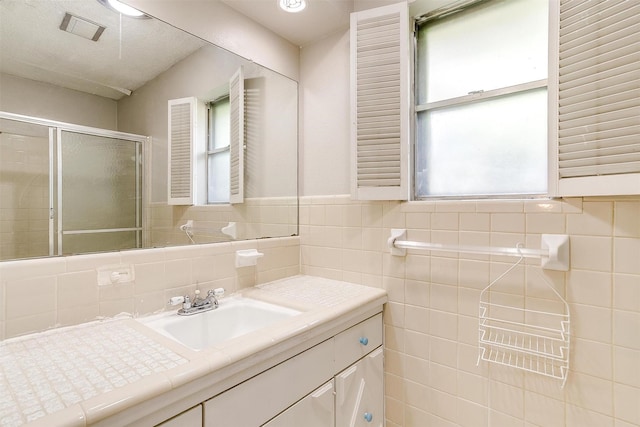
[(190, 418), (315, 410), (360, 393), (359, 397), (257, 400), (300, 391)]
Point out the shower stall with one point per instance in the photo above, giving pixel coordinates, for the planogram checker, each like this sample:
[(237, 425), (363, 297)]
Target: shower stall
[(68, 189)]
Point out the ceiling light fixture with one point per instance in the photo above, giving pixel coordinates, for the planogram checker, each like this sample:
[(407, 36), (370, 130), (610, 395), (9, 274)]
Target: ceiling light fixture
[(292, 6), (123, 9)]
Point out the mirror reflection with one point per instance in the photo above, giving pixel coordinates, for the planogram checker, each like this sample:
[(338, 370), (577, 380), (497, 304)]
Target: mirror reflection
[(120, 133)]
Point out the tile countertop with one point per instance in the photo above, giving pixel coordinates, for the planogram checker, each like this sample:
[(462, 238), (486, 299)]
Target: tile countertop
[(93, 373)]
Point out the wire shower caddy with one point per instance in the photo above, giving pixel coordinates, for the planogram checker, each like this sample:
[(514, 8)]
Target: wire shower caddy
[(531, 340)]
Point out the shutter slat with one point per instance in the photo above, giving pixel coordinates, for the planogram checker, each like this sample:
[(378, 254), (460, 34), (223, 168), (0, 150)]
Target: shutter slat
[(601, 57), (180, 162), (585, 126), (378, 37), (632, 148), (598, 170), (237, 137), (599, 164), (614, 71), (602, 96), (604, 16), (609, 120), (599, 89), (621, 144), (610, 41)]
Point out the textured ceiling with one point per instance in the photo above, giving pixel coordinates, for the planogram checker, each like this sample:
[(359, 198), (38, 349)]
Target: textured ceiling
[(124, 58)]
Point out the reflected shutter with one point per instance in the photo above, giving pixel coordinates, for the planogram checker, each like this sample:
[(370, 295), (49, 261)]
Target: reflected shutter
[(599, 98), (181, 134), (236, 143), (380, 103)]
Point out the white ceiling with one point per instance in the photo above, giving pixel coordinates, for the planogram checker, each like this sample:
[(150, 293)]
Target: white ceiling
[(319, 19)]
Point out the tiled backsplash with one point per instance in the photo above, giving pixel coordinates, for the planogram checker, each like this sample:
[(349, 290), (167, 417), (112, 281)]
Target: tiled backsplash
[(431, 323), (44, 293)]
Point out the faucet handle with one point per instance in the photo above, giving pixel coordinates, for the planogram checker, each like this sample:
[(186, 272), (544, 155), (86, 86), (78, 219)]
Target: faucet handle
[(185, 301), (176, 300)]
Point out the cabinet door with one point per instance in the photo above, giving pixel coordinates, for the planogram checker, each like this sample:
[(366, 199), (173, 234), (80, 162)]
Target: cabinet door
[(360, 393), (315, 410), (259, 399), (190, 418)]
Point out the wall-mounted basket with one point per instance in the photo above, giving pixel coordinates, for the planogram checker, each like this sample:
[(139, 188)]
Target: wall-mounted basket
[(532, 340)]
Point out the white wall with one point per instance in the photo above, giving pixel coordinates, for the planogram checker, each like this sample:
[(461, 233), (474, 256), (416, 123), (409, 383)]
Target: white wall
[(43, 100), (223, 26), (324, 116)]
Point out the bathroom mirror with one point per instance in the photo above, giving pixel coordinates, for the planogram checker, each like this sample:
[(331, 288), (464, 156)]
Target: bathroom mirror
[(77, 62)]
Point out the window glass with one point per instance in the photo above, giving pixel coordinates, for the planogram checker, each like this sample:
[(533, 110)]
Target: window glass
[(466, 152), (218, 174), (218, 189), (490, 46), (219, 134), (491, 143)]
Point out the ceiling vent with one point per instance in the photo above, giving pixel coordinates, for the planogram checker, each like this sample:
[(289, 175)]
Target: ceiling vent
[(81, 27)]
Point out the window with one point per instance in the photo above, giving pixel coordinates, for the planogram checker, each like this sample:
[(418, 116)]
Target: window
[(218, 149), (481, 101)]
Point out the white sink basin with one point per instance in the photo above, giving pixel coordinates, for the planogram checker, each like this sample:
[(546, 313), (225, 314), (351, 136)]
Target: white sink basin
[(234, 317)]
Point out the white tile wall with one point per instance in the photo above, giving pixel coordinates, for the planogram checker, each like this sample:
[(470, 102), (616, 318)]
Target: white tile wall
[(40, 294), (430, 321)]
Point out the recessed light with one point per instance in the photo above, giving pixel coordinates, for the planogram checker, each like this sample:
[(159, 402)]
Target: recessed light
[(292, 6), (122, 8)]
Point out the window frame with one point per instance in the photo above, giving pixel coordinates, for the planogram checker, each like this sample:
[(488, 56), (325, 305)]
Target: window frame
[(550, 83), (210, 153)]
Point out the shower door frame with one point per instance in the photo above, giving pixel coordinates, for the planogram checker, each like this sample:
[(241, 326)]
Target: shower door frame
[(55, 176)]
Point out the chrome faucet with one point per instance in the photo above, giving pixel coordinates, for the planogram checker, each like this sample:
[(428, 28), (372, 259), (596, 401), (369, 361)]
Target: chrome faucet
[(198, 304)]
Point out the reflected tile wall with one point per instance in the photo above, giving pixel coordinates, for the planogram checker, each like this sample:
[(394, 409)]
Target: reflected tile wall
[(255, 218)]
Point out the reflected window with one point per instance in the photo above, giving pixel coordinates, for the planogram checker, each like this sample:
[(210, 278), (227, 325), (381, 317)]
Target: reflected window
[(219, 137)]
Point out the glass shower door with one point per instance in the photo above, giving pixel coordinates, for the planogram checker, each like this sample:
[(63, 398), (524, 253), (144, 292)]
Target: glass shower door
[(25, 196), (100, 196)]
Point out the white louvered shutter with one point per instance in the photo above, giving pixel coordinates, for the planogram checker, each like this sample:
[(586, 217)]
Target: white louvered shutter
[(236, 144), (182, 131), (380, 103), (599, 98)]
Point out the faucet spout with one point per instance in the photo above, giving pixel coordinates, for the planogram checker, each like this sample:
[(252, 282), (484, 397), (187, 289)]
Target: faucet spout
[(199, 304)]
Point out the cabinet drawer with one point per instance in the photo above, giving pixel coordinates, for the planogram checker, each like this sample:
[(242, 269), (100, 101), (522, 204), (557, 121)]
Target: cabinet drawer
[(190, 418), (257, 400), (315, 410), (357, 341)]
